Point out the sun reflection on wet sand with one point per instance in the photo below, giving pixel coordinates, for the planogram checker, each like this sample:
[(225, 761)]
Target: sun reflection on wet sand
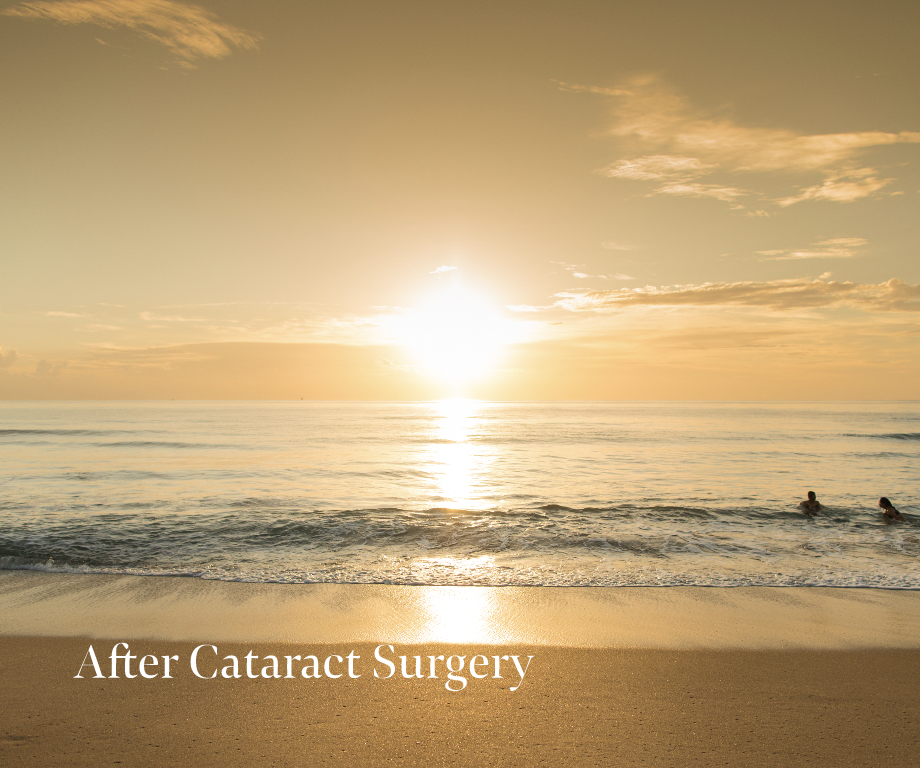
[(458, 615)]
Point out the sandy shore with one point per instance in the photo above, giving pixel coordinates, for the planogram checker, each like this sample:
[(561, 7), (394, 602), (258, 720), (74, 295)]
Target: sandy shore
[(170, 608), (792, 677), (579, 707)]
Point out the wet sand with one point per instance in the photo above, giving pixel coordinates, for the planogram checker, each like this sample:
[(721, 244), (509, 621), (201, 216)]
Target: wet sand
[(841, 695), (174, 608)]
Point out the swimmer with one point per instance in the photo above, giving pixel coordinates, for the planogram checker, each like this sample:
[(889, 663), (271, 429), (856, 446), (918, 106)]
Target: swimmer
[(811, 505), (889, 511)]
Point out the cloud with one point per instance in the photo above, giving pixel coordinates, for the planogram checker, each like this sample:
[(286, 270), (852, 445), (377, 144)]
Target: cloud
[(442, 268), (841, 188), (892, 296), (189, 31), (656, 167), (657, 116), (575, 271), (8, 357), (237, 321), (591, 89), (151, 317), (835, 248), (609, 245), (63, 314), (726, 194), (674, 143), (678, 172)]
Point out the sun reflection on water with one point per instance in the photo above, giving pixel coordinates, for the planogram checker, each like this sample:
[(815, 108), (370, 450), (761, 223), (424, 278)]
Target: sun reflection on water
[(458, 465), (456, 417)]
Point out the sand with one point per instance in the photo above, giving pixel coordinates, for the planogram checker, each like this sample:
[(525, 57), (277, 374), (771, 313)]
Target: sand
[(791, 681), (170, 608)]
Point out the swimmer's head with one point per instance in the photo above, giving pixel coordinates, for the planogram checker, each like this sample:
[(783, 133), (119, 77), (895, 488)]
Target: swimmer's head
[(884, 503), (811, 496)]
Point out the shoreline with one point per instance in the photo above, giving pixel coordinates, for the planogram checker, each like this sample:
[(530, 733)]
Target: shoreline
[(174, 608)]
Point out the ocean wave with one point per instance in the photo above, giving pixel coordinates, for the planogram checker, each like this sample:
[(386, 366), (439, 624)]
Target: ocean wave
[(573, 494), (172, 444), (244, 538), (69, 432), (177, 444), (424, 575), (114, 475)]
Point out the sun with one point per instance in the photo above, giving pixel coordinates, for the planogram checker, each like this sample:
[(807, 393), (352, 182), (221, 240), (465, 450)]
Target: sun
[(455, 335)]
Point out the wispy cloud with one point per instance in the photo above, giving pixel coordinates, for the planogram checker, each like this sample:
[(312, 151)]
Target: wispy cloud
[(726, 194), (835, 248), (657, 115), (58, 313), (675, 144), (676, 175), (442, 268), (189, 31), (575, 271), (592, 89), (154, 318), (891, 296), (657, 167), (841, 188), (232, 321)]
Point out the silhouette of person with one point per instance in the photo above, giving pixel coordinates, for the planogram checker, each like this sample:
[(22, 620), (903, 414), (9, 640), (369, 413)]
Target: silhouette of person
[(889, 511), (811, 505)]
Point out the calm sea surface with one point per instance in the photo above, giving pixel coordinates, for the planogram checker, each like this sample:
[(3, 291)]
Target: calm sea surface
[(464, 492)]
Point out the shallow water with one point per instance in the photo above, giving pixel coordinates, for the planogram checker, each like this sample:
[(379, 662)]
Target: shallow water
[(461, 492)]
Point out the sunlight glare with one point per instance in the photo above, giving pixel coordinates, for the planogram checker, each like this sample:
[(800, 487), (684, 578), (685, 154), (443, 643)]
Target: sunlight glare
[(457, 464), (456, 336), (456, 419), (459, 614)]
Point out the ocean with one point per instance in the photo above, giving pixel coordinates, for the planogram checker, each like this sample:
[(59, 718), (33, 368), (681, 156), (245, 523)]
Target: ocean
[(463, 492)]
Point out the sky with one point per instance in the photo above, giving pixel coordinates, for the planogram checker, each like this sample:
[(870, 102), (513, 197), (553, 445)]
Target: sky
[(503, 200)]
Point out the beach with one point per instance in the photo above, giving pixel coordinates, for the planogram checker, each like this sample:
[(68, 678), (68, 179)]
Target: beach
[(470, 584), (459, 384), (747, 676)]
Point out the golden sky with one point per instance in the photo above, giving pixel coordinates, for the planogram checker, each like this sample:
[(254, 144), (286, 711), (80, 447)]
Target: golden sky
[(403, 200)]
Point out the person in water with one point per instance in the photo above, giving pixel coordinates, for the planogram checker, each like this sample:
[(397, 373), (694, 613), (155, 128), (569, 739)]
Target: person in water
[(889, 511), (811, 505)]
